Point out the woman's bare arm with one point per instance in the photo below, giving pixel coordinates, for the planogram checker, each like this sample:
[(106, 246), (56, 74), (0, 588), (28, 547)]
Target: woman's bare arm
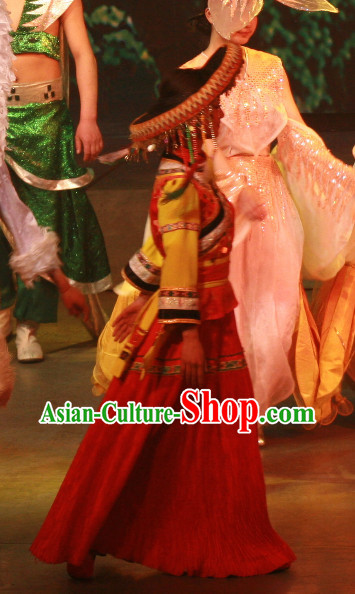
[(88, 136)]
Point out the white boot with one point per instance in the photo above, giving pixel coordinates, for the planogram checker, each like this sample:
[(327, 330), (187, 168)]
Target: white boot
[(5, 322), (28, 348)]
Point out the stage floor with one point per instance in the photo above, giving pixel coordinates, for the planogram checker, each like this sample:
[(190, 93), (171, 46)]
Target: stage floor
[(310, 486), (310, 475)]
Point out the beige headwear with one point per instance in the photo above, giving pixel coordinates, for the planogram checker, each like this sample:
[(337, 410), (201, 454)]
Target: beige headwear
[(229, 16)]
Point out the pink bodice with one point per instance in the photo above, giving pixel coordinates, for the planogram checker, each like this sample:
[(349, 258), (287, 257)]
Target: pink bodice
[(254, 113)]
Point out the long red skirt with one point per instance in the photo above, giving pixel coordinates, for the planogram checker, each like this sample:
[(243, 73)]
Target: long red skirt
[(179, 498)]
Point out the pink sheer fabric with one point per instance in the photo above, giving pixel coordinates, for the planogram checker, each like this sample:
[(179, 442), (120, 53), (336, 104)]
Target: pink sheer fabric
[(265, 274), (254, 113), (266, 265), (323, 189)]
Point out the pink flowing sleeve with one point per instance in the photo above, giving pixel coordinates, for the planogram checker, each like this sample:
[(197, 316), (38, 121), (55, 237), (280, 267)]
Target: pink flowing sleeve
[(323, 189)]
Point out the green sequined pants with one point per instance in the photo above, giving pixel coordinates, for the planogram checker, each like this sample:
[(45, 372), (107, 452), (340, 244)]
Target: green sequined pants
[(41, 142)]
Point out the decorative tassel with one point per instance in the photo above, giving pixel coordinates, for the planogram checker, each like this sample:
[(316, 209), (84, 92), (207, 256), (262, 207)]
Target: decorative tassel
[(189, 143), (194, 135), (204, 126), (184, 153), (166, 141), (211, 126)]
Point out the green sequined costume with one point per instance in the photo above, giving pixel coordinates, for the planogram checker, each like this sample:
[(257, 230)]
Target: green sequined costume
[(41, 145), (46, 176)]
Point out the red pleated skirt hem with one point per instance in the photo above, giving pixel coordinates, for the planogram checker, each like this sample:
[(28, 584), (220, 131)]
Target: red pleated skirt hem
[(180, 499)]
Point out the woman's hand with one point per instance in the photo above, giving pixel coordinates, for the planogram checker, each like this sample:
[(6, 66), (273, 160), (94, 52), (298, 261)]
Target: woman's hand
[(251, 205), (88, 139), (72, 298), (123, 324), (75, 302), (192, 358)]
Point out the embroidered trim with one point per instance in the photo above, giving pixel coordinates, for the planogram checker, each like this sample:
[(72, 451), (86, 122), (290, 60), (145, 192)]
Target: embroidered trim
[(178, 293), (143, 272), (148, 265), (181, 317), (212, 366), (178, 303), (224, 222), (157, 369), (178, 299), (137, 282), (179, 225)]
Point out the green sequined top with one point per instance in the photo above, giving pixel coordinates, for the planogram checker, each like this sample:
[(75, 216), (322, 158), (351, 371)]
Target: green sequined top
[(27, 40)]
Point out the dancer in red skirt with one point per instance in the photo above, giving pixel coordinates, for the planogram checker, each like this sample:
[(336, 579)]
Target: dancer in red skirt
[(180, 498)]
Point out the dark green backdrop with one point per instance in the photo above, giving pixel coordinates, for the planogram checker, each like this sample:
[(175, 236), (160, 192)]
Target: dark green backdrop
[(137, 41)]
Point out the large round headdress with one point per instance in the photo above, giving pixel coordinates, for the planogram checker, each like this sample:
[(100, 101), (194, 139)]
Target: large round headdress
[(190, 111)]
